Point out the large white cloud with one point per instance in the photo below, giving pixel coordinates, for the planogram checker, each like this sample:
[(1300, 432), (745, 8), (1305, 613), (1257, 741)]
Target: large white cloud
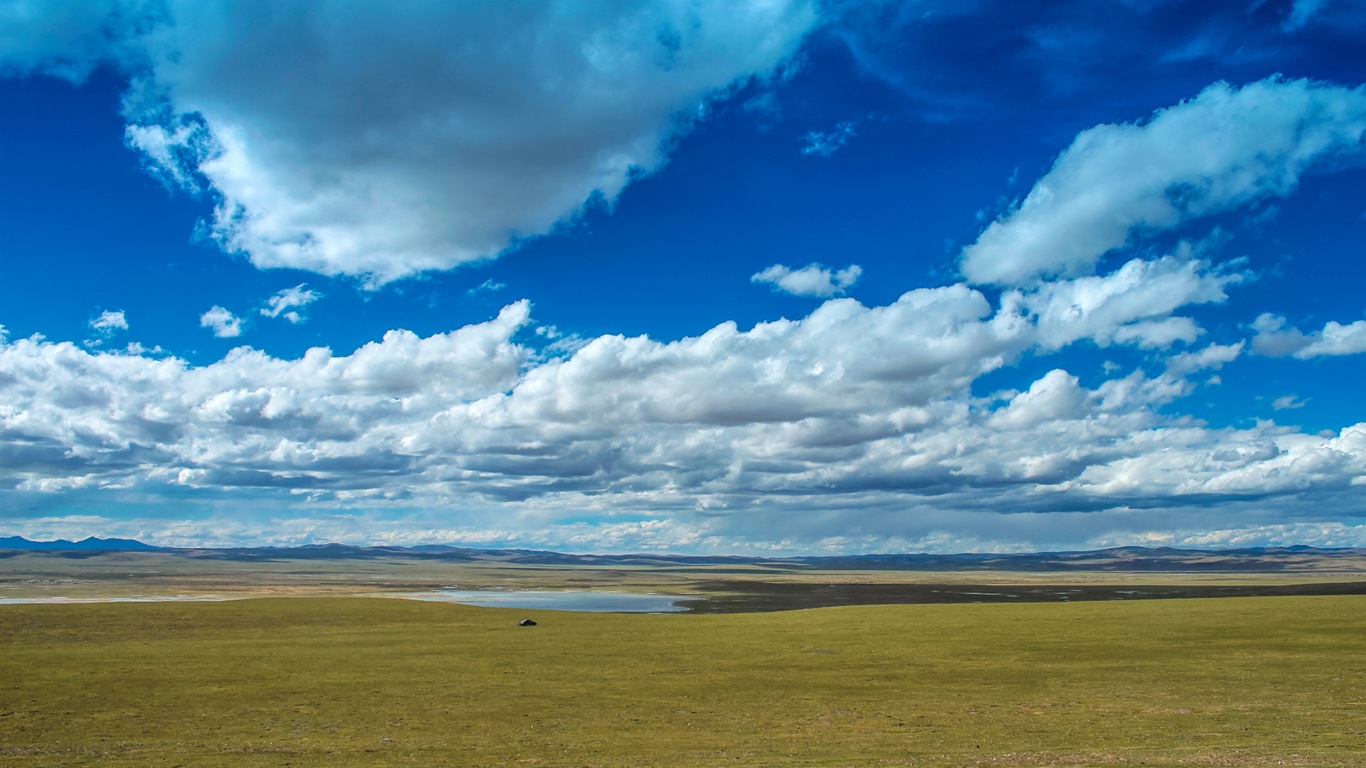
[(382, 140), (854, 424), (1223, 149)]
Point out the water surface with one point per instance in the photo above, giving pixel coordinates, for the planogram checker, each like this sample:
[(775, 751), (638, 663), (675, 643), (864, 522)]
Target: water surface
[(559, 600)]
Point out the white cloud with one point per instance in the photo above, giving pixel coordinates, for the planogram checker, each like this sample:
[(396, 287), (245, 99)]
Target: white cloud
[(1337, 339), (1217, 152), (1287, 402), (1212, 357), (1056, 396), (172, 151), (811, 280), (487, 287), (137, 348), (1274, 339), (288, 302), (1263, 461), (380, 142), (851, 426), (224, 324), (825, 144), (1131, 306), (109, 321)]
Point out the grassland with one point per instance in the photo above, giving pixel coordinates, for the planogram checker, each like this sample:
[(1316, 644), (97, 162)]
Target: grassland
[(351, 681)]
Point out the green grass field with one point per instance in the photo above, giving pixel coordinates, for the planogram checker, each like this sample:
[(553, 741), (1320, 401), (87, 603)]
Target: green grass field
[(349, 681)]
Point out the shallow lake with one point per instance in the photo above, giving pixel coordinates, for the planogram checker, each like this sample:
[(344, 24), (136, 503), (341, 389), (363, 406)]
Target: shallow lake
[(559, 600)]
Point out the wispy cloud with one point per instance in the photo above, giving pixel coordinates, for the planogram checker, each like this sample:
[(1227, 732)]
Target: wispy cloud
[(827, 143), (1287, 402), (1301, 12), (290, 302), (489, 286)]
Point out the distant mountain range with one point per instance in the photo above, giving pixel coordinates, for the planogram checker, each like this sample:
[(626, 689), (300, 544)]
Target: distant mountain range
[(1116, 559), (91, 543)]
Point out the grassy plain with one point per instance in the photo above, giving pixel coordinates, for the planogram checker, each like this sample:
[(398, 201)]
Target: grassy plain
[(351, 681)]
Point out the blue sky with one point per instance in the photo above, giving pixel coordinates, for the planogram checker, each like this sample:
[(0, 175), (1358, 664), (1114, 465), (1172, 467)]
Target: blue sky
[(780, 277)]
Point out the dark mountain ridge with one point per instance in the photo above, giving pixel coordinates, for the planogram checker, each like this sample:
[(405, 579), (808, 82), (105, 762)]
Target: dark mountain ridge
[(86, 544)]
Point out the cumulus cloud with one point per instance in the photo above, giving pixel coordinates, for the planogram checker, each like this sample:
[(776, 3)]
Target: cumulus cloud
[(811, 280), (1275, 339), (1264, 461), (224, 324), (109, 321), (1134, 305), (289, 302), (827, 143), (851, 425), (1217, 152), (357, 140)]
